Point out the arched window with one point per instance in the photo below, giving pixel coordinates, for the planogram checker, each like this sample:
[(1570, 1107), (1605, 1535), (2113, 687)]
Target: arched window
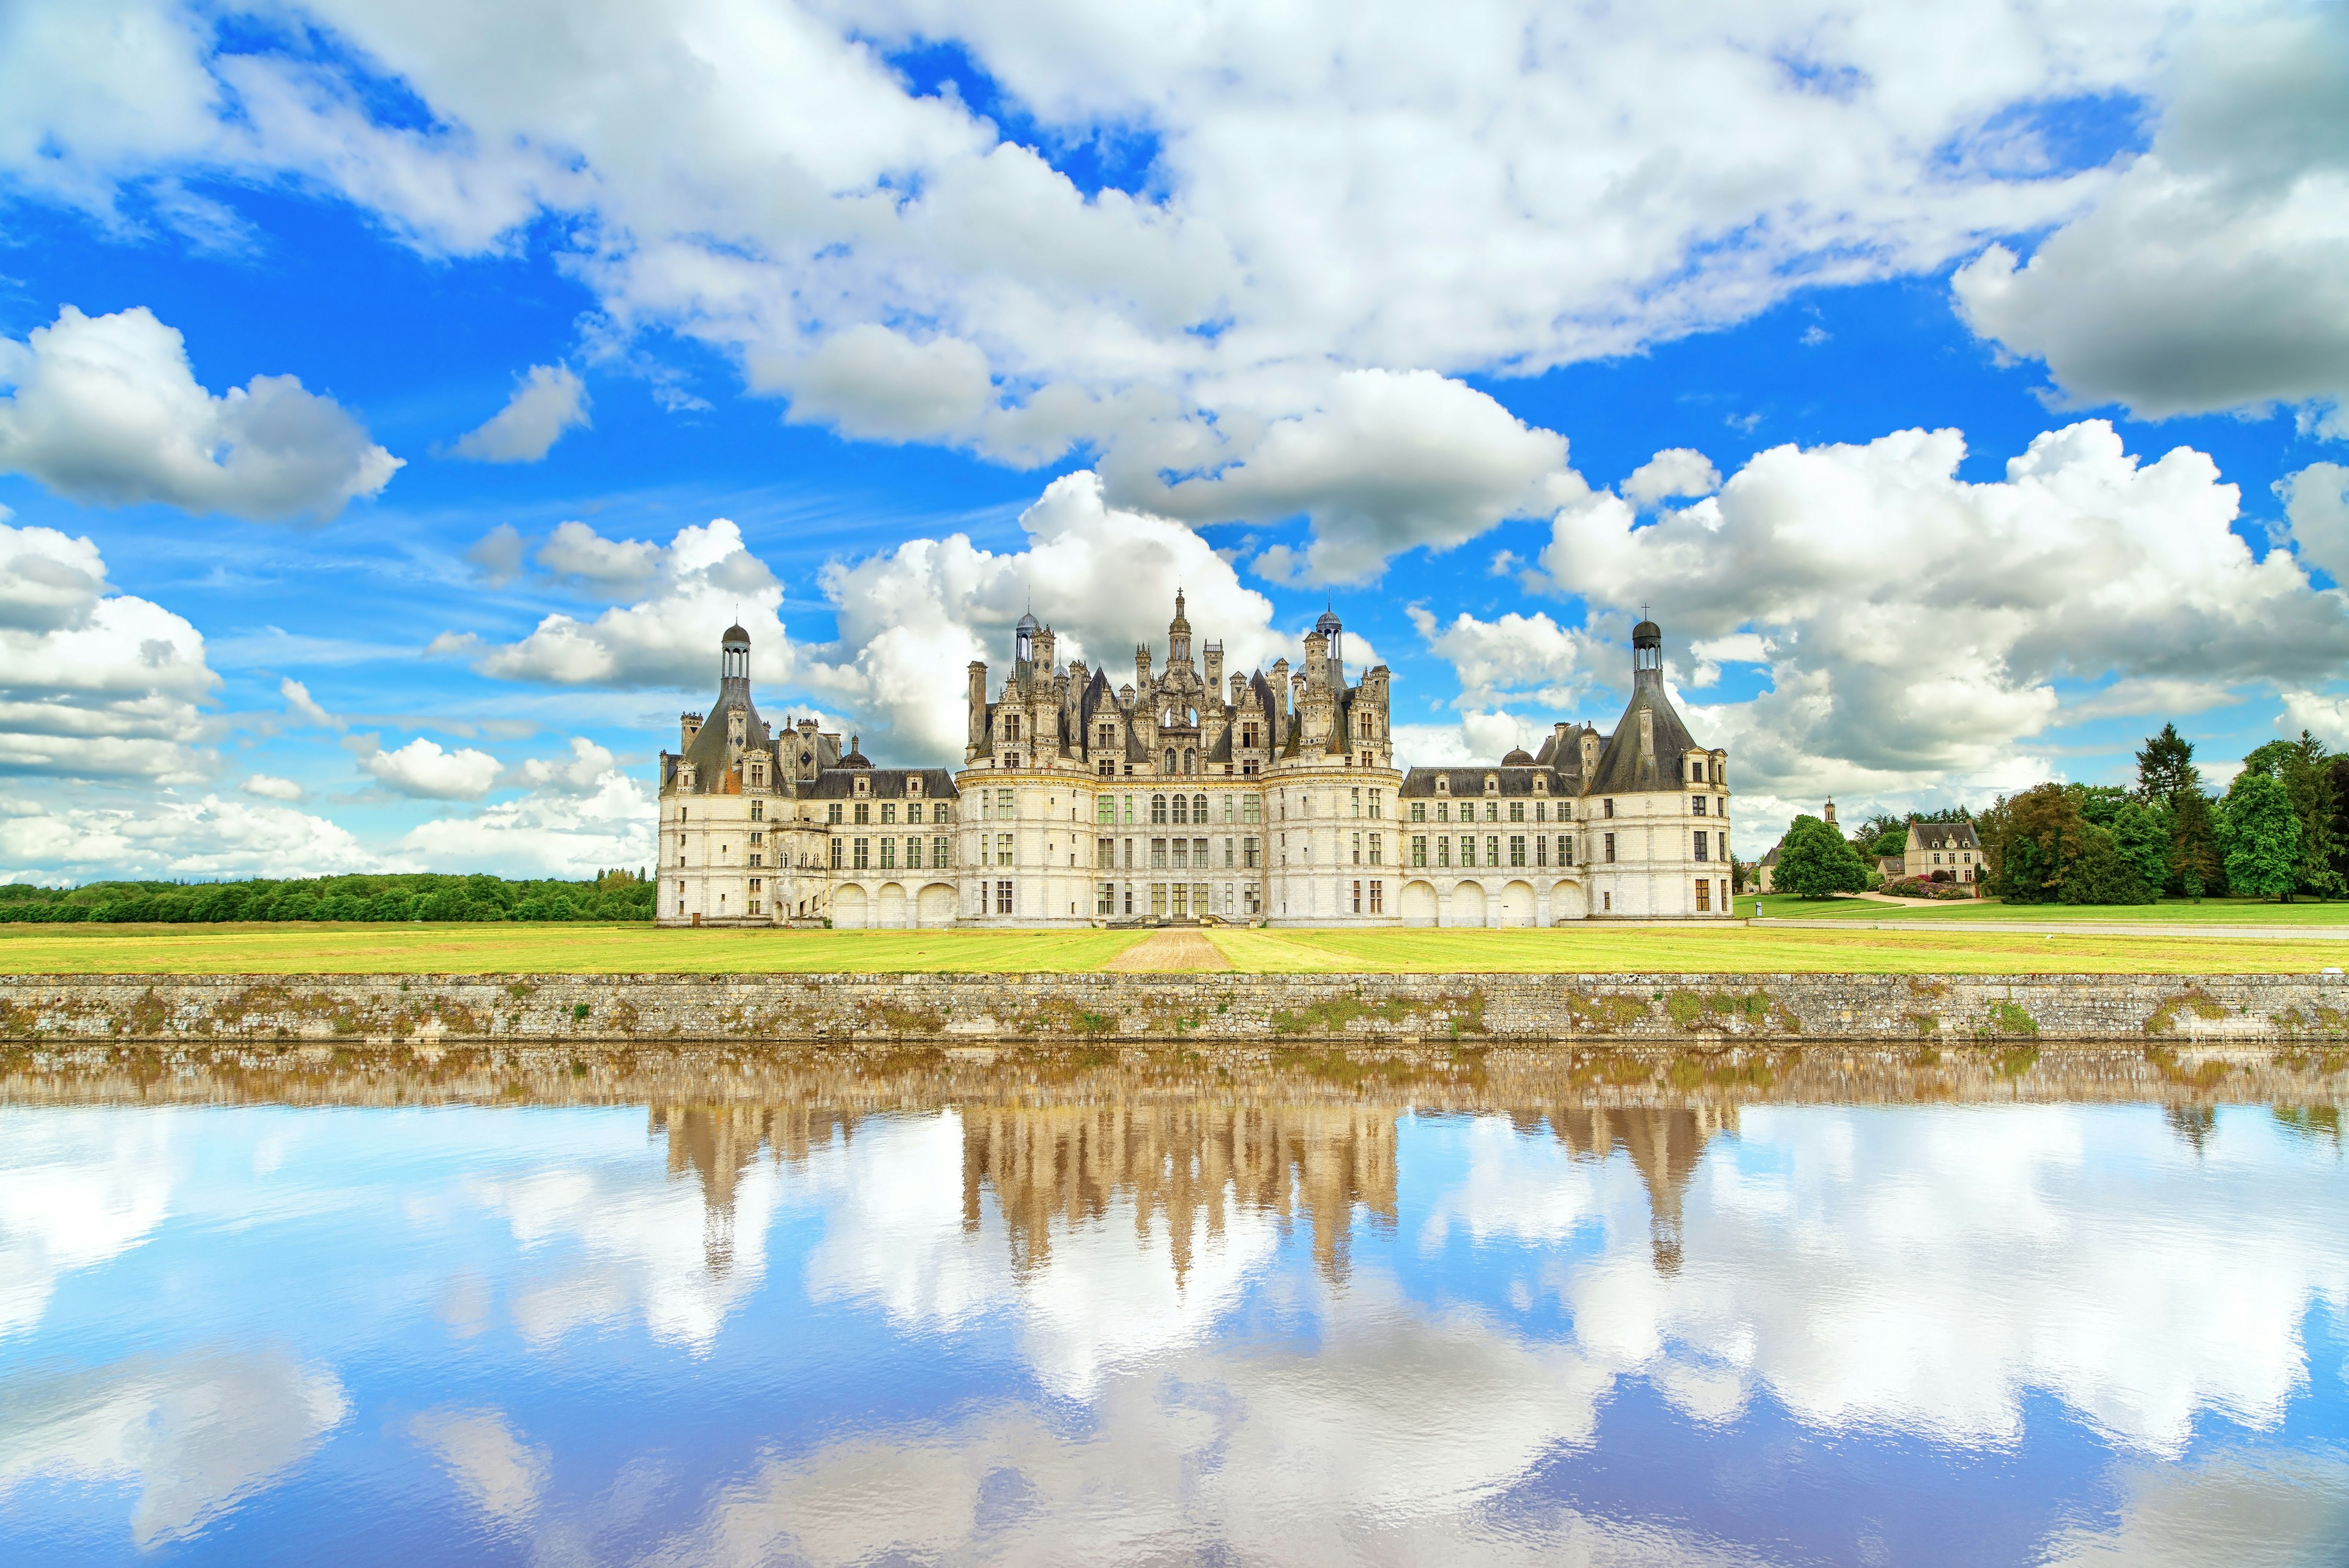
[(1199, 808), (1182, 810), (1158, 809), (1170, 761), (1190, 760)]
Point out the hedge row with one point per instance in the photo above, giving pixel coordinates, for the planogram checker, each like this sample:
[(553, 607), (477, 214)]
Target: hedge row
[(388, 898)]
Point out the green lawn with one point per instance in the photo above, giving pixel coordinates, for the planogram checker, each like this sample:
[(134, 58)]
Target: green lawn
[(622, 950), (2183, 911), (1763, 950), (553, 948)]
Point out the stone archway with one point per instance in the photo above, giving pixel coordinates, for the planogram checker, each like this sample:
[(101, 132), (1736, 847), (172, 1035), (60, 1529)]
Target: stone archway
[(1516, 905), (848, 907), (1467, 904), (1418, 905), (890, 908), (936, 905), (1568, 902)]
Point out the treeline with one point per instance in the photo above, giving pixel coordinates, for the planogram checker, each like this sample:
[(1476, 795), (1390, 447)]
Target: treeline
[(391, 897), (2280, 831)]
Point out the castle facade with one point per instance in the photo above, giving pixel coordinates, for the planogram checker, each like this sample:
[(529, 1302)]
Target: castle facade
[(1187, 793)]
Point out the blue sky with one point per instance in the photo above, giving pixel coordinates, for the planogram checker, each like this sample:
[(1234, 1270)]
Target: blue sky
[(1488, 336)]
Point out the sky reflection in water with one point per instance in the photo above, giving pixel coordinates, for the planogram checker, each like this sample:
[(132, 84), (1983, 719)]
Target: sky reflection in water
[(1237, 1327)]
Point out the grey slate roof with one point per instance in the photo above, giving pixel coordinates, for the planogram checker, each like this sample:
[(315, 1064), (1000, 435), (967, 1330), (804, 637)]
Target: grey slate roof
[(1622, 768), (884, 784)]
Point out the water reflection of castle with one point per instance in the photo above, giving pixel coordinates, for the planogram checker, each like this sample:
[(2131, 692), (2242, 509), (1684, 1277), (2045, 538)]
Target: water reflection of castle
[(1185, 1165)]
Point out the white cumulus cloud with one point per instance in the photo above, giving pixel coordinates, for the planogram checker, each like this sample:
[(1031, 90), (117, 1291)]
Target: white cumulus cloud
[(268, 786), (422, 770), (550, 401), (93, 685), (107, 408), (2214, 273), (1914, 624)]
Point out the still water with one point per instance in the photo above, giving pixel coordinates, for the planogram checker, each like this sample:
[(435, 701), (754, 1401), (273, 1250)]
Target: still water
[(939, 1307)]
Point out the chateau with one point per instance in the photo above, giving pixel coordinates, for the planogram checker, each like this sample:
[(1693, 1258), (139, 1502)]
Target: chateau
[(1187, 793)]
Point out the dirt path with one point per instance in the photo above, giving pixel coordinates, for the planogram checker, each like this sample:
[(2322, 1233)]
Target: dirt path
[(1163, 953)]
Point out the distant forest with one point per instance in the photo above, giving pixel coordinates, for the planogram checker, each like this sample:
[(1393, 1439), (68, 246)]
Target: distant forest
[(389, 897)]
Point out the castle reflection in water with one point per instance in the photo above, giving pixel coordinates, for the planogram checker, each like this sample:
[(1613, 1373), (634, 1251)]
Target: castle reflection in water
[(1173, 1144), (1180, 1167)]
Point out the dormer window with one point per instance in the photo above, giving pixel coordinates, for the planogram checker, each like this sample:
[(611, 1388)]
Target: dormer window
[(1492, 784), (1443, 784), (1541, 783), (913, 785), (863, 786)]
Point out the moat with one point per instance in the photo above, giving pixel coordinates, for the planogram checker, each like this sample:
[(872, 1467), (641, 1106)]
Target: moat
[(721, 1304)]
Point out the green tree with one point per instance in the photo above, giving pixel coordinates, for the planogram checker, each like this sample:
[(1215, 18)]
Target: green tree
[(2041, 835), (2103, 873), (1815, 862), (1882, 833), (2141, 831), (2260, 834), (2197, 865), (2165, 769), (2304, 769)]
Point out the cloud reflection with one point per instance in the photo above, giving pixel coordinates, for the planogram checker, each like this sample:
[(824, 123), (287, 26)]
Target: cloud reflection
[(194, 1435)]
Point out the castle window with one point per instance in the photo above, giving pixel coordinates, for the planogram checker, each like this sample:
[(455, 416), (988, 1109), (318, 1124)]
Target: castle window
[(889, 813), (1492, 784), (863, 856), (1696, 805), (1170, 761), (1199, 810), (758, 776), (1516, 811), (864, 812), (758, 811), (939, 853), (1608, 840), (1158, 854), (1108, 735), (1247, 734), (1443, 811), (1011, 727), (1377, 802), (1158, 809), (1701, 845), (1377, 855), (1105, 810), (913, 786), (839, 846), (1107, 768), (1541, 811), (1419, 811), (831, 812), (1442, 785), (1182, 809), (1607, 810), (1003, 804), (914, 811), (1358, 800), (1251, 809), (1189, 759), (889, 854), (1003, 849)]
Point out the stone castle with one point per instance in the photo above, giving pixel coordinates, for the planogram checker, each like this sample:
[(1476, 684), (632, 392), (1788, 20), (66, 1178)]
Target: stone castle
[(1188, 795)]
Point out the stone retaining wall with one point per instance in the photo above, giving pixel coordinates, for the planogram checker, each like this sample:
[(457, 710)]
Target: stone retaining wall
[(1202, 1008)]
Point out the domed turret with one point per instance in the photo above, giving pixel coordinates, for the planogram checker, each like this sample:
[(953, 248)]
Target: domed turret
[(1023, 637), (1519, 758), (1178, 634), (1647, 653), (734, 659), (1333, 634), (855, 757)]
